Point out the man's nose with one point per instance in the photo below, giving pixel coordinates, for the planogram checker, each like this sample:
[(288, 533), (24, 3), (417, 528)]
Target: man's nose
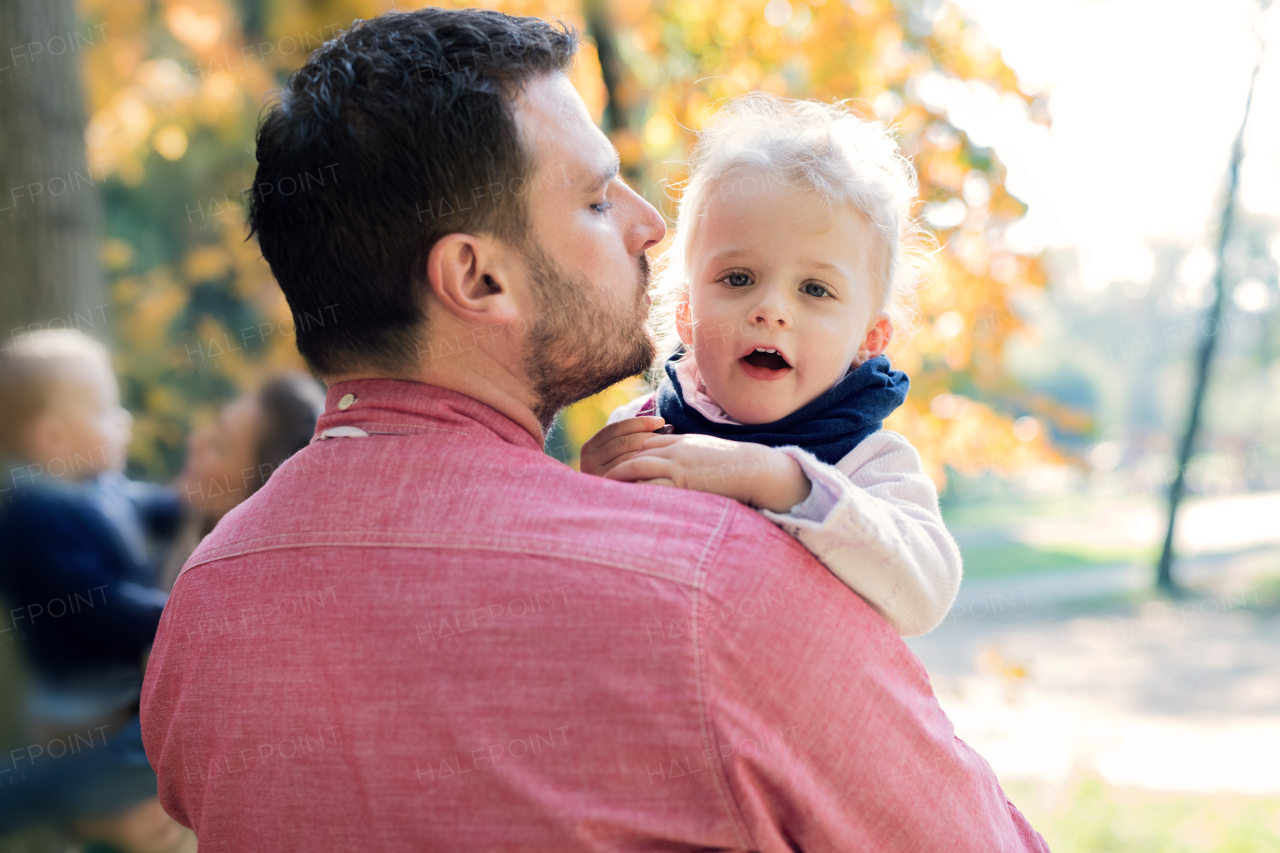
[(647, 229)]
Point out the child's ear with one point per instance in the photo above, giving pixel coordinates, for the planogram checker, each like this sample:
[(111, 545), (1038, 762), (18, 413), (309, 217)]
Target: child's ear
[(878, 338), (684, 321), (43, 438)]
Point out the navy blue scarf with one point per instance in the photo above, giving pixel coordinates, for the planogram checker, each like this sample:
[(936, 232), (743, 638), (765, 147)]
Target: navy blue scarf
[(829, 427)]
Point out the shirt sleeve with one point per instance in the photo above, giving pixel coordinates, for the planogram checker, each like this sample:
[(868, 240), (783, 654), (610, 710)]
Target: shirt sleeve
[(823, 723), (873, 520)]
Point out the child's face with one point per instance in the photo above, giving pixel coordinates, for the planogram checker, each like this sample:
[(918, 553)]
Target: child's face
[(84, 431), (778, 270)]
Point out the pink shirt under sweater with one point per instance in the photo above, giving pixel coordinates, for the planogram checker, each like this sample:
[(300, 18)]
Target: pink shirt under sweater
[(435, 637)]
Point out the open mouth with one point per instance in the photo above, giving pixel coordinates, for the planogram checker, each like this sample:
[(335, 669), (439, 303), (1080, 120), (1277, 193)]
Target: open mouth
[(766, 358), (764, 363)]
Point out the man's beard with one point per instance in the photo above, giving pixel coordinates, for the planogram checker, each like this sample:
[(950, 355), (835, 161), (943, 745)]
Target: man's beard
[(577, 348)]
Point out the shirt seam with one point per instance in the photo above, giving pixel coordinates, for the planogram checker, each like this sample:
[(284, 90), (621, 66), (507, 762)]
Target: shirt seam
[(723, 789), (428, 546)]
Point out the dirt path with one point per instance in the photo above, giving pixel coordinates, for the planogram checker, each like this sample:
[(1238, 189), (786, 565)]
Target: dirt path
[(1164, 695)]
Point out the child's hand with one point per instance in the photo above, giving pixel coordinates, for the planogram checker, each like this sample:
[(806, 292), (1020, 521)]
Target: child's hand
[(753, 474), (616, 443)]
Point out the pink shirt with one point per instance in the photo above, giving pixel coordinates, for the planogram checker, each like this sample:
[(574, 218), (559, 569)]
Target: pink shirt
[(436, 637)]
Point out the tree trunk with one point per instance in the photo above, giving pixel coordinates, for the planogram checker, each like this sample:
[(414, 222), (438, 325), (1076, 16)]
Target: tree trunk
[(49, 217), (616, 118), (1204, 357)]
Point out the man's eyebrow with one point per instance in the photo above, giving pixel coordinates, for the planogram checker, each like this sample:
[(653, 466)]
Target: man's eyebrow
[(606, 175)]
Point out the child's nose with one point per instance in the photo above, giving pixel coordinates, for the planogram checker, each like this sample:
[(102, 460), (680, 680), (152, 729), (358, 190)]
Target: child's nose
[(770, 312)]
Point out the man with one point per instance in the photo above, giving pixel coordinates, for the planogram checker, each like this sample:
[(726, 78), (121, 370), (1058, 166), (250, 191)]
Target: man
[(423, 633)]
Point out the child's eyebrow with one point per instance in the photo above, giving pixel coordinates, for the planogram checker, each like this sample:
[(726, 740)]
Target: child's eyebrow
[(823, 265), (726, 255)]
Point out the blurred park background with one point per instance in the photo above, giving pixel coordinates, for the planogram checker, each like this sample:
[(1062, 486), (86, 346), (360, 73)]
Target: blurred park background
[(1074, 160)]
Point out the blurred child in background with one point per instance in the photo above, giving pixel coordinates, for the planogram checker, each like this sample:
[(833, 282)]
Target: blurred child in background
[(79, 579)]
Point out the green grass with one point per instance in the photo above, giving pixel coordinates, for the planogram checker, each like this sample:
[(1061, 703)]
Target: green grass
[(1012, 558), (966, 511), (1086, 815)]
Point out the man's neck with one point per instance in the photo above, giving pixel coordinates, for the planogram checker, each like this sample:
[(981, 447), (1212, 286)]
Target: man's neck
[(485, 382)]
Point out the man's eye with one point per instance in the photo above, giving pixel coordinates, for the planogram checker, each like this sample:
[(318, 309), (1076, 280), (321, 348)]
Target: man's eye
[(737, 279), (814, 289)]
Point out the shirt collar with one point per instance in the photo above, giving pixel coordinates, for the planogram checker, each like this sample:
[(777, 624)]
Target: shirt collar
[(401, 407)]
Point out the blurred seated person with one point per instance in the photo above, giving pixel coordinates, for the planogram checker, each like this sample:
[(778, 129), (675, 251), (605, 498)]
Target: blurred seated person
[(230, 459), (79, 582)]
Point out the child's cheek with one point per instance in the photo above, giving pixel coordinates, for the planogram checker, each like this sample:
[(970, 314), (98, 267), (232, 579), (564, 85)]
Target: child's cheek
[(716, 336)]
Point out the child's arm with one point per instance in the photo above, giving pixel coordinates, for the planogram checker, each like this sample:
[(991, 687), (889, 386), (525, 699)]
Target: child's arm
[(57, 552), (758, 476), (873, 520), (160, 508)]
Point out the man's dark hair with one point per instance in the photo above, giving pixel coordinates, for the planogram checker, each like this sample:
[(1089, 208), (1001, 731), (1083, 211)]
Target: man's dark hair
[(395, 133)]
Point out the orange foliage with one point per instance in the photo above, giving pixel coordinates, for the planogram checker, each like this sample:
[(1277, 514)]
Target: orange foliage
[(178, 84)]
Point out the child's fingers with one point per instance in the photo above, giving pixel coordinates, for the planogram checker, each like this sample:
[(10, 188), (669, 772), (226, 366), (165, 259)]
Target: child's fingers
[(601, 461), (615, 449), (660, 481), (643, 468), (602, 469), (609, 445), (626, 426), (652, 442)]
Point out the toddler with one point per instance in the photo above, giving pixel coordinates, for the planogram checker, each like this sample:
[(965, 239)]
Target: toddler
[(77, 575), (791, 257), (72, 523)]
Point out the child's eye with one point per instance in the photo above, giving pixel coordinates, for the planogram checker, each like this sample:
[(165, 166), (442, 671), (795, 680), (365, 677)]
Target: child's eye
[(737, 279), (814, 289), (601, 207)]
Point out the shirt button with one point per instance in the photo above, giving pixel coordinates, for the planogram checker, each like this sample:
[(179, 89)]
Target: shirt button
[(346, 401)]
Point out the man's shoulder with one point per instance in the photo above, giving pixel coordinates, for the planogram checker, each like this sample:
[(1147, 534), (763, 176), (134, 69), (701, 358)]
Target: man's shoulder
[(781, 628), (756, 556), (512, 502)]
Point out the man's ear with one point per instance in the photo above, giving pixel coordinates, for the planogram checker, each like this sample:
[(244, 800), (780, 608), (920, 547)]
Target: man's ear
[(467, 273), (684, 320), (878, 338)]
